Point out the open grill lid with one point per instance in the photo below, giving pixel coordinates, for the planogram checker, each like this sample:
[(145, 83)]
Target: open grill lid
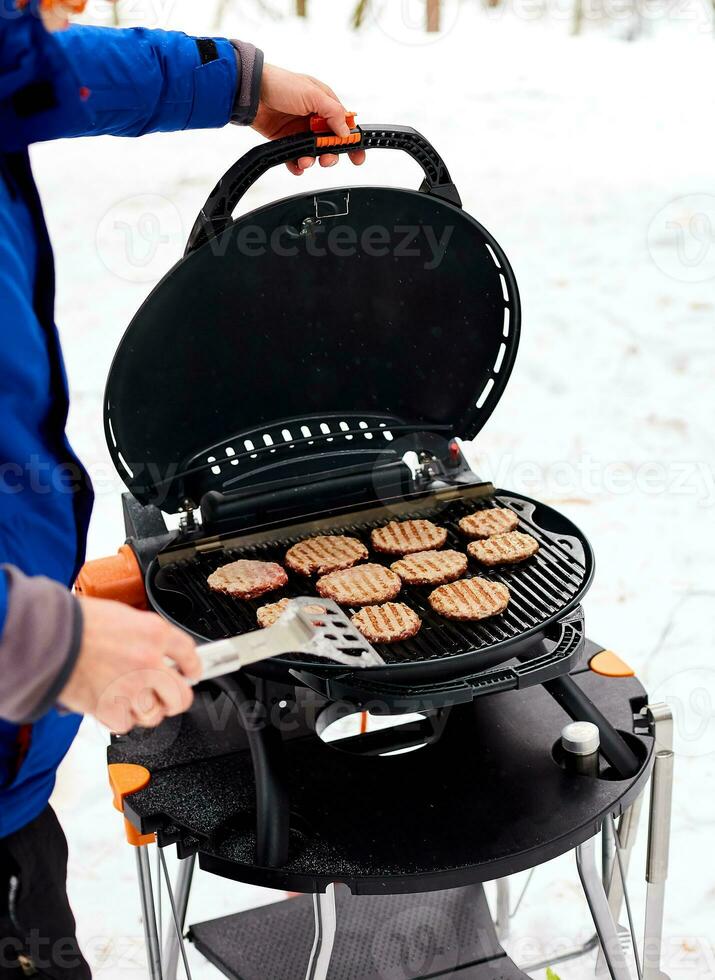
[(312, 332)]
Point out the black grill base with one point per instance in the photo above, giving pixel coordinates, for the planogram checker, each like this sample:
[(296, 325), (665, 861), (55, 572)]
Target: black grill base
[(484, 801), (445, 934)]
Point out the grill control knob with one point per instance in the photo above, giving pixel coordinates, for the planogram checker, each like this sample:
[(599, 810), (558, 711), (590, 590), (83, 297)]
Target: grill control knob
[(580, 741)]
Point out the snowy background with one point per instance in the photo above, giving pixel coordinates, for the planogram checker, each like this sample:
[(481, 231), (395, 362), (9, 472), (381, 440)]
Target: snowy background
[(590, 159)]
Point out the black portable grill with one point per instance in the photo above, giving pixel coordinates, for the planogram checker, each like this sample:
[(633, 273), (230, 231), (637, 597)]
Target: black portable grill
[(308, 368)]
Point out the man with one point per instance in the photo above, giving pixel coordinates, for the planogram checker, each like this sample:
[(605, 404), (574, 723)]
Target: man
[(59, 655)]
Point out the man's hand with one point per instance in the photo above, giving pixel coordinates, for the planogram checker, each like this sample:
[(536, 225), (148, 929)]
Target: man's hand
[(286, 105), (121, 676)]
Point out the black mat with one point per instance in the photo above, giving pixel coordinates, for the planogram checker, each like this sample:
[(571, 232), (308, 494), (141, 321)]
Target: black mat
[(444, 934)]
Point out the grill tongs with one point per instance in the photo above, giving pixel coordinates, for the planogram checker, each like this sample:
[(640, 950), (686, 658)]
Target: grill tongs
[(309, 625)]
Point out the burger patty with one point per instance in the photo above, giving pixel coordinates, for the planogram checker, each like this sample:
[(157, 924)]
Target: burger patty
[(470, 598), (408, 537), (326, 553), (430, 567), (270, 613), (388, 623), (504, 549), (360, 586), (495, 520), (247, 579)]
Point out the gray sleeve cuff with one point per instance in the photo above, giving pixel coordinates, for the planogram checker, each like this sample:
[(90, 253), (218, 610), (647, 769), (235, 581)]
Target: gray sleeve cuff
[(39, 645), (249, 62)]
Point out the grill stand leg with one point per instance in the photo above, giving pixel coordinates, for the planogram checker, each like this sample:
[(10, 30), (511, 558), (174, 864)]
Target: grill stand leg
[(181, 899), (627, 831), (661, 799), (325, 928), (608, 853), (151, 932), (503, 914), (600, 911)]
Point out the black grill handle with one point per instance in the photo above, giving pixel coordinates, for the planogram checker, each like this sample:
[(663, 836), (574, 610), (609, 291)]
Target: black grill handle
[(563, 657), (216, 214)]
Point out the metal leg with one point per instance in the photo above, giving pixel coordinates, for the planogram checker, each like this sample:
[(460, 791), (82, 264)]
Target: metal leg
[(608, 852), (151, 933), (661, 799), (503, 914), (600, 910), (325, 928), (180, 900), (624, 841)]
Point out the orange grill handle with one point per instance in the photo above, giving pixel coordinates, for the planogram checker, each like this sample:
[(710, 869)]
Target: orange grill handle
[(319, 125), (118, 577)]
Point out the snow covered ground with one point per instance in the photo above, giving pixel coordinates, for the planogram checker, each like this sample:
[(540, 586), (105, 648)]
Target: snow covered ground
[(591, 161)]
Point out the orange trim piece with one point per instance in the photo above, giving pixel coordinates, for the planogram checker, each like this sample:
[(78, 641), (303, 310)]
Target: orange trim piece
[(124, 779), (75, 6), (118, 577), (609, 664), (337, 140)]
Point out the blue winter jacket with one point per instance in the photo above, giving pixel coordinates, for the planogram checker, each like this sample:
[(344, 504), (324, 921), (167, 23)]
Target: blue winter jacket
[(83, 81)]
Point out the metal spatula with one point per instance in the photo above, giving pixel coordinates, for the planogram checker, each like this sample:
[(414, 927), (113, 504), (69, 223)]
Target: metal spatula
[(328, 634)]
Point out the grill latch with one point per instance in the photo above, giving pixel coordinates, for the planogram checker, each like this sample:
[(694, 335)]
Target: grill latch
[(334, 205)]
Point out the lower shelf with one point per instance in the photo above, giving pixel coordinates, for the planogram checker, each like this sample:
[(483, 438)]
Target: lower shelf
[(443, 934)]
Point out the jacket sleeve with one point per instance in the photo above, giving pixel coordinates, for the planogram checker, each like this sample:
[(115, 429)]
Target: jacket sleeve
[(40, 638), (128, 82)]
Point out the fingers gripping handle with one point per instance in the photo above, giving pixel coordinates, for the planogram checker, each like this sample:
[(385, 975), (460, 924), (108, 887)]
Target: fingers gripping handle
[(325, 138), (216, 214)]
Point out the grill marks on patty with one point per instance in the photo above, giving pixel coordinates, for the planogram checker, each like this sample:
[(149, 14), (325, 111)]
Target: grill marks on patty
[(470, 598), (335, 557), (485, 523), (430, 567), (388, 623), (408, 537), (270, 613), (325, 553), (360, 586), (504, 549), (246, 579)]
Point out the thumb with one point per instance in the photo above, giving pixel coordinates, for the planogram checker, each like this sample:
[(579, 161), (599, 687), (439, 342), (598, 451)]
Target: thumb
[(332, 111)]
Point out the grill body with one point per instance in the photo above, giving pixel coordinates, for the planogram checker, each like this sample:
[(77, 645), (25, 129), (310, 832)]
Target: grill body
[(544, 590)]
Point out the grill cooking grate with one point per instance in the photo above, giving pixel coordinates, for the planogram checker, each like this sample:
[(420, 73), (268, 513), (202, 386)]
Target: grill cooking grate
[(540, 588)]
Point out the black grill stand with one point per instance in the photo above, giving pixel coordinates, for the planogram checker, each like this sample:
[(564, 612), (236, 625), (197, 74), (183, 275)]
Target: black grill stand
[(405, 919)]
